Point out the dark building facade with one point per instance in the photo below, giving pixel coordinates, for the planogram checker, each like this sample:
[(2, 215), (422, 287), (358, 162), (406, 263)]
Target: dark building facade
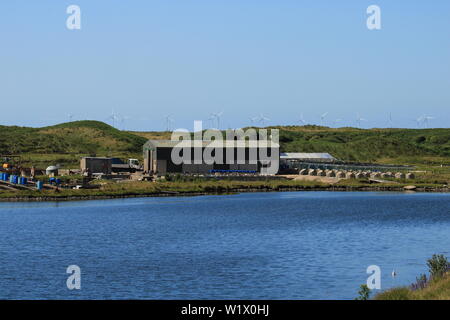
[(159, 159)]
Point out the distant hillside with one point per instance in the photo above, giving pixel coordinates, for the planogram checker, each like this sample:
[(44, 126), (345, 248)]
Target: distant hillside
[(79, 137), (93, 137), (353, 144), (367, 144)]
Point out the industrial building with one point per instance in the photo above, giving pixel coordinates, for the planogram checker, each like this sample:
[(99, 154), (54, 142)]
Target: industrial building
[(158, 157), (96, 165), (307, 157), (297, 161)]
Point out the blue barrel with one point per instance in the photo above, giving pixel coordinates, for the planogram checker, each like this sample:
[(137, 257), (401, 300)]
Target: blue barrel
[(6, 176), (39, 185), (2, 176), (58, 182)]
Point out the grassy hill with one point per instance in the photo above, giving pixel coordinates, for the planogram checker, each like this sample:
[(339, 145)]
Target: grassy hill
[(427, 146), (65, 143), (378, 145)]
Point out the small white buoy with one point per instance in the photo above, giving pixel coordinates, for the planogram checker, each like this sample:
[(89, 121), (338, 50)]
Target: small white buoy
[(393, 273)]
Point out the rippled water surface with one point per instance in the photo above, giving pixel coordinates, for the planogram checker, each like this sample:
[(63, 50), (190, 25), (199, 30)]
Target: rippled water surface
[(293, 245)]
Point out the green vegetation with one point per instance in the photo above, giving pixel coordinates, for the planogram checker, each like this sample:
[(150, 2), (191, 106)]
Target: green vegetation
[(396, 146), (436, 288), (142, 188), (426, 146), (66, 143), (364, 292), (437, 265), (185, 185)]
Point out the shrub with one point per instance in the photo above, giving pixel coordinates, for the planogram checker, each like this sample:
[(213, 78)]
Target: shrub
[(421, 139), (364, 292), (437, 265), (421, 283)]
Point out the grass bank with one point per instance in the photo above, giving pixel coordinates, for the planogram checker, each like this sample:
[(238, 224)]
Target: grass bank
[(109, 189), (438, 289), (435, 286), (65, 143)]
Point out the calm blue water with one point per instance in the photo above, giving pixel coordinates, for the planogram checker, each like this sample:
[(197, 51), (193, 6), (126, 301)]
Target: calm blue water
[(294, 245)]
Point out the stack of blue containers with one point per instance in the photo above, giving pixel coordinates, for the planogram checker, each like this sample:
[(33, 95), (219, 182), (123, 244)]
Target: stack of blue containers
[(18, 180), (4, 176), (14, 179)]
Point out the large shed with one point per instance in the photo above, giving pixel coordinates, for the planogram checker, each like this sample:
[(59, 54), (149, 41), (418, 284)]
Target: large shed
[(158, 157)]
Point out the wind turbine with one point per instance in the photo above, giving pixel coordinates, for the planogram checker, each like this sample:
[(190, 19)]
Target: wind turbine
[(70, 115), (254, 119), (217, 117), (391, 122), (211, 121), (359, 119), (113, 118), (302, 120), (262, 119), (322, 118), (169, 120), (336, 121), (418, 121), (122, 121), (426, 120)]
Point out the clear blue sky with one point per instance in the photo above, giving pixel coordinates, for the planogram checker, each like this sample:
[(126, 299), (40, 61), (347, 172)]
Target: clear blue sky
[(188, 58)]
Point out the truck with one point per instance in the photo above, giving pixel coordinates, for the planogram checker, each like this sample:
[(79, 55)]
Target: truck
[(130, 165)]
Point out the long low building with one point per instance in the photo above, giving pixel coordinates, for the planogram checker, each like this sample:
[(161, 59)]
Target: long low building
[(291, 162), (313, 157), (159, 157), (294, 162)]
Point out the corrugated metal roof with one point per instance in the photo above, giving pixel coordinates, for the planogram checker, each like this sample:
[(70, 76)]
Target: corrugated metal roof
[(301, 155)]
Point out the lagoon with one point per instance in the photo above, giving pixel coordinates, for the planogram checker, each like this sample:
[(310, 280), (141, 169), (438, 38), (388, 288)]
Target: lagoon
[(278, 245)]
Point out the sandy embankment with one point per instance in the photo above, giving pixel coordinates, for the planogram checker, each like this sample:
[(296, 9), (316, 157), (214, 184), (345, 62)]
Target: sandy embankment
[(329, 180)]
